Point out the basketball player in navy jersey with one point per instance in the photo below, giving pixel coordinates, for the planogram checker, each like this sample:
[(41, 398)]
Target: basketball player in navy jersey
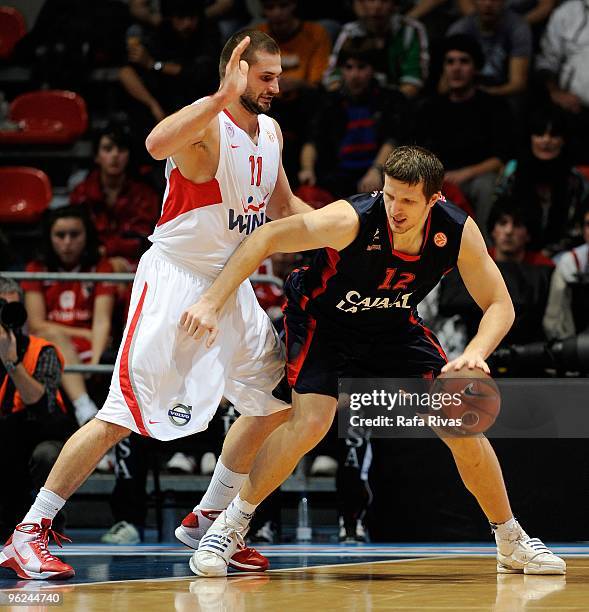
[(356, 307)]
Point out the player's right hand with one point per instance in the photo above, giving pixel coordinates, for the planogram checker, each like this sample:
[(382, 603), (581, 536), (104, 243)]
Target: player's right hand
[(235, 81), (198, 319)]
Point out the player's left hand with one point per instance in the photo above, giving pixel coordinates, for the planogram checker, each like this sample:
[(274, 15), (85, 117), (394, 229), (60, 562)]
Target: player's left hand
[(470, 359), (7, 345), (200, 318)]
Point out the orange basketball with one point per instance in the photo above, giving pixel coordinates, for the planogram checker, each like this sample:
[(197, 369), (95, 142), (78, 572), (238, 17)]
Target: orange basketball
[(475, 399)]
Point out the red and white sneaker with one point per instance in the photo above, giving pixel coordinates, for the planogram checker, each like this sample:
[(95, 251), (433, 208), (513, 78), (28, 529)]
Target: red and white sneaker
[(29, 556), (196, 524)]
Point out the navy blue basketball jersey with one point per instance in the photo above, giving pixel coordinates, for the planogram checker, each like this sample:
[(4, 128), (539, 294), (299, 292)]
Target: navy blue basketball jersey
[(368, 287)]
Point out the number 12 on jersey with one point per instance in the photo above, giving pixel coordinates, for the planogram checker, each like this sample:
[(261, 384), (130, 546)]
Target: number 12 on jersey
[(405, 278), (256, 162)]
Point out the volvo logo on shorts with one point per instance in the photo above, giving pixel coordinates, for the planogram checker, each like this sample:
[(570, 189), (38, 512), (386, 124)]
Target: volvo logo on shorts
[(179, 414)]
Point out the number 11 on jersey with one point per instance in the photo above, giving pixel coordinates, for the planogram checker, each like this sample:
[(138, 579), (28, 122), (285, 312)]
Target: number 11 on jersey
[(256, 162)]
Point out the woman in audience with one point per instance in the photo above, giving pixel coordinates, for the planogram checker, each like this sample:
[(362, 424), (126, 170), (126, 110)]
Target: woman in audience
[(544, 181), (74, 315)]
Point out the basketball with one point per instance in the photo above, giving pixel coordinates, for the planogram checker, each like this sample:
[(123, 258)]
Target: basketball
[(476, 399)]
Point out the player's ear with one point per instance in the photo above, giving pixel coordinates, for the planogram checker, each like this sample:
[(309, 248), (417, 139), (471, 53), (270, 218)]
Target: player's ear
[(437, 196)]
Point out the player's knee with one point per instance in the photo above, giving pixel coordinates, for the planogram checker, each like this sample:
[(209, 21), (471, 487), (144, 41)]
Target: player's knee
[(311, 428)]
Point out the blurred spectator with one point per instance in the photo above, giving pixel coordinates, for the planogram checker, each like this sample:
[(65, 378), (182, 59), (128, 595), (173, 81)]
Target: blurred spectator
[(33, 419), (304, 45), (527, 274), (567, 313), (354, 128), (74, 315), (171, 65), (535, 12), (544, 181), (563, 63), (506, 41), (402, 58), (70, 38), (304, 49), (123, 210), (145, 12), (466, 127)]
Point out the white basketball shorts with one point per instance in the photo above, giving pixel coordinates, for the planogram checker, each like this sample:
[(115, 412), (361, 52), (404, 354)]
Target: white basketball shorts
[(166, 384)]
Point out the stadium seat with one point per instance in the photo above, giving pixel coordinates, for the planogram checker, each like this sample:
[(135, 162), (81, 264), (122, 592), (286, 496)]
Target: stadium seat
[(46, 117), (25, 194), (12, 29)]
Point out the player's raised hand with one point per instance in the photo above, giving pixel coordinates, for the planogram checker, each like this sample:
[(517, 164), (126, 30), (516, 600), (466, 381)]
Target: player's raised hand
[(469, 359), (235, 80), (199, 319)]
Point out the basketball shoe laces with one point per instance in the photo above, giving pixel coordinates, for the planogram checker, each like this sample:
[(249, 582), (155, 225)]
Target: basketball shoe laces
[(221, 541), (39, 544)]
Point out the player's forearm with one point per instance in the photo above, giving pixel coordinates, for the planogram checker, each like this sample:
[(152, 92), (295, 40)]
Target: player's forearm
[(180, 129), (296, 206), (495, 323)]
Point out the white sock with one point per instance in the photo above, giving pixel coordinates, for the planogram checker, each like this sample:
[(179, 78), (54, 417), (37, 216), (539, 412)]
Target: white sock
[(239, 513), (85, 409), (504, 530), (224, 486), (47, 505)]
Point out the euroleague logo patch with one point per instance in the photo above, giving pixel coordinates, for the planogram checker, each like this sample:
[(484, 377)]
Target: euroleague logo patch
[(180, 414), (440, 239)]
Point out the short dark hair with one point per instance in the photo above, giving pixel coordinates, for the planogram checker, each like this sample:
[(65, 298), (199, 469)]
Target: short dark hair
[(508, 208), (359, 48), (117, 131), (259, 41), (465, 44), (412, 164), (9, 285)]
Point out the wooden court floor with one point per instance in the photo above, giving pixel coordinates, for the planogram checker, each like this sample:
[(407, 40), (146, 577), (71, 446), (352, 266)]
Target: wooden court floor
[(443, 583)]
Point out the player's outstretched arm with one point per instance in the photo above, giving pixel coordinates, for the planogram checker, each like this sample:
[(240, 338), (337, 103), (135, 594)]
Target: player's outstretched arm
[(189, 124), (487, 288), (335, 226)]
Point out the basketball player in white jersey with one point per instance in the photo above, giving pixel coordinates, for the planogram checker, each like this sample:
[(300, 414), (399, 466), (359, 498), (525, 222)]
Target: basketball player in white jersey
[(225, 176)]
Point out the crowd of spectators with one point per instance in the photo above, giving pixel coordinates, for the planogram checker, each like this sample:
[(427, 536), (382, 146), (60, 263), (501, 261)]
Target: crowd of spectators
[(498, 89)]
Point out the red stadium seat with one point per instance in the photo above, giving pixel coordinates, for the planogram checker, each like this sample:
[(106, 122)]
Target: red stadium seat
[(25, 194), (12, 29), (46, 117)]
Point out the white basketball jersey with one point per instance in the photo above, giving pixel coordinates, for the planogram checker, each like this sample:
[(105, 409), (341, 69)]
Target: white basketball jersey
[(202, 223)]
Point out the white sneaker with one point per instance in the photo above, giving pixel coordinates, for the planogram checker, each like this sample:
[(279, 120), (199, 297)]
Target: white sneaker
[(195, 525), (216, 548), (181, 463), (121, 533), (521, 554)]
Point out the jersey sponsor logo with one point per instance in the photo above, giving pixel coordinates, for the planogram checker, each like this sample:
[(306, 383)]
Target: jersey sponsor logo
[(229, 129), (440, 239), (234, 146), (247, 207), (245, 223), (375, 246), (354, 302), (180, 414), (270, 135)]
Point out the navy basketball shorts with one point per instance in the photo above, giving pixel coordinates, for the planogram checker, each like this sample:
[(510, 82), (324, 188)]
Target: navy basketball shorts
[(318, 353)]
